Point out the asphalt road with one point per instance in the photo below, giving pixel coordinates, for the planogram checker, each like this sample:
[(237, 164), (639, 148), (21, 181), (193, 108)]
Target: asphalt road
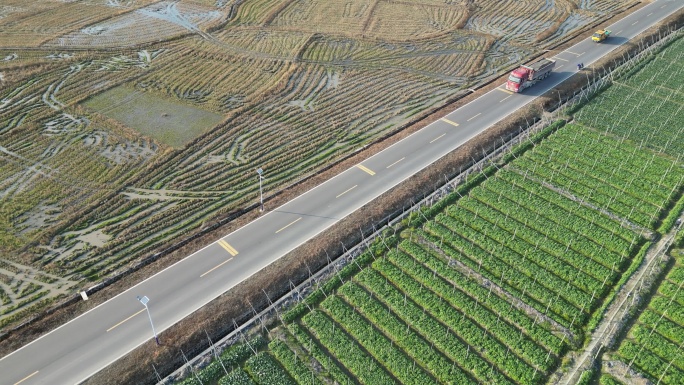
[(80, 348)]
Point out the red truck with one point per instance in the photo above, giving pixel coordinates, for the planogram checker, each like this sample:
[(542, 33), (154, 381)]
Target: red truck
[(526, 76)]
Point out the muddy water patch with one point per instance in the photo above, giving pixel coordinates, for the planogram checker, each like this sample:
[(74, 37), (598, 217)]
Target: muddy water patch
[(42, 216), (169, 121)]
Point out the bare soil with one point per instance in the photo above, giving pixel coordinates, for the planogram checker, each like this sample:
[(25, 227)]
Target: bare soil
[(216, 318)]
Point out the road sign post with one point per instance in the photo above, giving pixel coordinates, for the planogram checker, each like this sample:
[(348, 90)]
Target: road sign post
[(144, 300)]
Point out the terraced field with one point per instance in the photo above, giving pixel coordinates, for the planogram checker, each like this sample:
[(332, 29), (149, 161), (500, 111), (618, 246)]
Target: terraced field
[(497, 282)]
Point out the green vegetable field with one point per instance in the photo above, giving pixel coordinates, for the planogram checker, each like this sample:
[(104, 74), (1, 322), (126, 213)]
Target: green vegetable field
[(653, 345), (496, 283)]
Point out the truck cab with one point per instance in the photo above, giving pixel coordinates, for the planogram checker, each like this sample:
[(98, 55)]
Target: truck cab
[(527, 75), (516, 79)]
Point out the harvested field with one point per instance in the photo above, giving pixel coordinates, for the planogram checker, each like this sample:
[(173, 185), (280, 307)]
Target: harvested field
[(100, 100), (160, 21), (30, 24)]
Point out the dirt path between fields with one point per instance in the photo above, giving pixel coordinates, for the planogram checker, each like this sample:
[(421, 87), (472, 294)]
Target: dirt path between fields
[(619, 311)]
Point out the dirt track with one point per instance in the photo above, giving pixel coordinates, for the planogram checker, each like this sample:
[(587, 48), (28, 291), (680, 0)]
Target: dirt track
[(616, 316)]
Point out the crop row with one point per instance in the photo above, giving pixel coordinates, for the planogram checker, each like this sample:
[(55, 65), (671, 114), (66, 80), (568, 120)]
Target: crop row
[(583, 235), (633, 188), (459, 321), (494, 323), (613, 163), (650, 364), (616, 154), (377, 344), (525, 287), (675, 311), (625, 190), (447, 340), (501, 251), (596, 193), (659, 85), (295, 366), (564, 261), (658, 345), (673, 290), (236, 377), (317, 353), (574, 209), (367, 370), (660, 323), (403, 335), (265, 370), (654, 343), (487, 298), (557, 225)]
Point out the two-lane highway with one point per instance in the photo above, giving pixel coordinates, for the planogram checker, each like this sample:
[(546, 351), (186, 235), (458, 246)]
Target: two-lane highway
[(80, 348)]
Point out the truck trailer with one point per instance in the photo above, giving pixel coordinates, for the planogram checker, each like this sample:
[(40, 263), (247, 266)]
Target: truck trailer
[(526, 76)]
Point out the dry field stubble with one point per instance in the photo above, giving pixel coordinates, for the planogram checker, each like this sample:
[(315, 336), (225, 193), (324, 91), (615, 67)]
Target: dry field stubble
[(156, 22), (29, 24), (300, 85)]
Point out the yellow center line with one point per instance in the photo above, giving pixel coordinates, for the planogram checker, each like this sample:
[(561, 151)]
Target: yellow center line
[(230, 249), (26, 378), (437, 138), (141, 310), (450, 122), (478, 114), (557, 58), (395, 162), (344, 192), (291, 223), (365, 169), (505, 98), (216, 267)]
